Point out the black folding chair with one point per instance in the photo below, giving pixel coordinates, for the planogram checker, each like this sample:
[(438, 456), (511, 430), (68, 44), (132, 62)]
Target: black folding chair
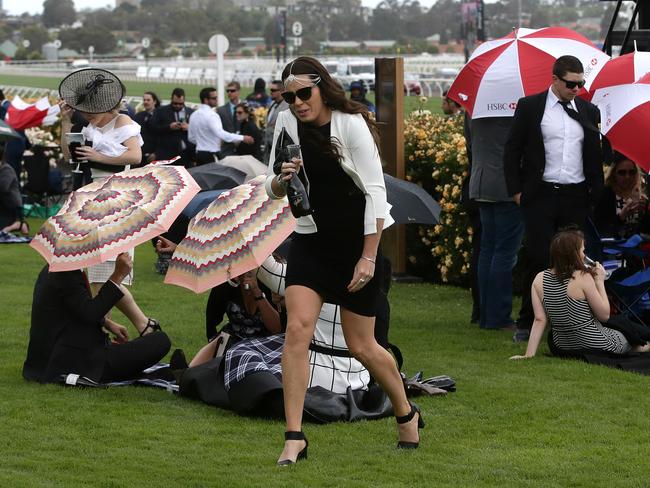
[(37, 188)]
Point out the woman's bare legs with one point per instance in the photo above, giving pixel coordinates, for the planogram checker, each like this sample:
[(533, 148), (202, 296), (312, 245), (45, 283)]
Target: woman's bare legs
[(359, 334), (127, 306), (205, 354), (303, 308), (133, 312)]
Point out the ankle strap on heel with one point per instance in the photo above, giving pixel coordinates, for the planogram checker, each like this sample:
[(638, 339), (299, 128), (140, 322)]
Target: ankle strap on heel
[(294, 435), (409, 416)]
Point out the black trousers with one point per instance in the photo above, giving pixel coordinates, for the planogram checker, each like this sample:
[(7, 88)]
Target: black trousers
[(205, 157), (544, 214), (127, 361)]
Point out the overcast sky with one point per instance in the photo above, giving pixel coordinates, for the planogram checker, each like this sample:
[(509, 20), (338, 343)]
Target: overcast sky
[(17, 7)]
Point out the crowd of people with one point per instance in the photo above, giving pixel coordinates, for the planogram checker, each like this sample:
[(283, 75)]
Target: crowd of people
[(532, 177), (318, 313)]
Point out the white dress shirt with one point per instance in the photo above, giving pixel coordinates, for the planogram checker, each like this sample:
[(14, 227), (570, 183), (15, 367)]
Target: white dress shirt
[(563, 138), (206, 130)]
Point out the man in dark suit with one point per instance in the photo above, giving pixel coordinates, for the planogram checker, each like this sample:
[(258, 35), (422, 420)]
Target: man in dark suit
[(228, 118), (170, 124), (68, 330), (277, 105), (150, 102), (553, 168)]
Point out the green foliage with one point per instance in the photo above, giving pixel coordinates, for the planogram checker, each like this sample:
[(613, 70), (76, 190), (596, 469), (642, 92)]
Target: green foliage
[(542, 423), (90, 34), (58, 12), (436, 159), (37, 35)]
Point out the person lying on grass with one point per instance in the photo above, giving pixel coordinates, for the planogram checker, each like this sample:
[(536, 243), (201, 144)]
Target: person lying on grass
[(571, 294), (330, 366), (69, 330)]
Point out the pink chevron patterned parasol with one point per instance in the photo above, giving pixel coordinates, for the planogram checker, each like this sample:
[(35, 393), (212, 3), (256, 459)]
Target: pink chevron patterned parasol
[(103, 219), (234, 234)]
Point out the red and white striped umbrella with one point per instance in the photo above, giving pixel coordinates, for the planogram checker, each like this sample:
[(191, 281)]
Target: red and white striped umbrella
[(501, 71), (624, 69), (625, 118)]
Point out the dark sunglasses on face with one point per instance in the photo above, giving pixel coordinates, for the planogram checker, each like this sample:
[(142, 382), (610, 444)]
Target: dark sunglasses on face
[(232, 90), (572, 84), (625, 172), (238, 112), (304, 94), (276, 89)]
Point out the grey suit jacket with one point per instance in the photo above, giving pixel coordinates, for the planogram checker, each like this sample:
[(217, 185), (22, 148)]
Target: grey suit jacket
[(272, 117), (486, 144), (229, 125)]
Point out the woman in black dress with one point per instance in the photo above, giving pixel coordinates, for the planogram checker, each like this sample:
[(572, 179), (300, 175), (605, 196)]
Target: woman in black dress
[(334, 254), (246, 126)]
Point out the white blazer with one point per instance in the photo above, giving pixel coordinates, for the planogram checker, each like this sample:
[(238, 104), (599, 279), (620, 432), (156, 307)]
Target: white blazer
[(360, 160)]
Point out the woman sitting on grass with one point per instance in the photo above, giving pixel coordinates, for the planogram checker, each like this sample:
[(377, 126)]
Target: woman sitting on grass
[(572, 296), (69, 325)]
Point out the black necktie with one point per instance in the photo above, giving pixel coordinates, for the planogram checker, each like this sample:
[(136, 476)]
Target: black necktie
[(577, 117)]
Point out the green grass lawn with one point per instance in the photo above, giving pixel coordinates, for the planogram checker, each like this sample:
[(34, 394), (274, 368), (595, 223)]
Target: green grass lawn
[(136, 88), (544, 422)]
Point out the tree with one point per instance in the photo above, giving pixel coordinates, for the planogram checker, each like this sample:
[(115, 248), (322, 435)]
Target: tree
[(36, 35), (58, 12), (89, 35)]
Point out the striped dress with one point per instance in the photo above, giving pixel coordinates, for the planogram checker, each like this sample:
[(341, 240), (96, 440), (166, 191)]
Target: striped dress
[(573, 325)]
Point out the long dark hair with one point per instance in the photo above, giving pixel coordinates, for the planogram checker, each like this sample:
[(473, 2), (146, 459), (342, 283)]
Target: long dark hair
[(565, 253), (156, 100), (333, 97)]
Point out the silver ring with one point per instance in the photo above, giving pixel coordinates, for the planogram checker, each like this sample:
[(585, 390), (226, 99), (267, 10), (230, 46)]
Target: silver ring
[(361, 280)]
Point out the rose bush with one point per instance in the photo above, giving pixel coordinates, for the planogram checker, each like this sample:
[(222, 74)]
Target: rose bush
[(436, 159)]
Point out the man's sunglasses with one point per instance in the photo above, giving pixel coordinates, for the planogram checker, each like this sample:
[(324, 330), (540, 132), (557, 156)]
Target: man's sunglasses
[(276, 89), (304, 94), (232, 90), (572, 84)]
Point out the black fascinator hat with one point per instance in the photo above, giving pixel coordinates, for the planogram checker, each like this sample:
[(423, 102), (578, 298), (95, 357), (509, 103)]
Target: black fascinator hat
[(92, 90)]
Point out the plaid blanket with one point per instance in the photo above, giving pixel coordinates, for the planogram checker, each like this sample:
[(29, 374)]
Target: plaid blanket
[(253, 355)]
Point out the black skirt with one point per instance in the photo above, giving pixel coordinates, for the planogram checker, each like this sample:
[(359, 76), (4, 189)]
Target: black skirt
[(327, 269)]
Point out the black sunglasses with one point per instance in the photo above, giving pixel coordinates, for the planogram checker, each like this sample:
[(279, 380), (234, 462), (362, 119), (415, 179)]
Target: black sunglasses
[(572, 84), (232, 90), (304, 94), (625, 172)]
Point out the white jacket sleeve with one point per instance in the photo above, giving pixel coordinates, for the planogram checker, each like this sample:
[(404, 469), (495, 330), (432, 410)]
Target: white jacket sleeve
[(367, 164)]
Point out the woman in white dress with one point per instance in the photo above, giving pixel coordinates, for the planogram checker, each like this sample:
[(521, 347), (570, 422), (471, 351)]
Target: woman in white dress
[(113, 143)]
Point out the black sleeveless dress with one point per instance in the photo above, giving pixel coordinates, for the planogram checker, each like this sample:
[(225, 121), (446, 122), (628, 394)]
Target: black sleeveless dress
[(324, 261)]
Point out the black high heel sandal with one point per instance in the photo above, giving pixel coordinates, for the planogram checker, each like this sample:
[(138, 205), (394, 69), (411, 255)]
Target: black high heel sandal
[(404, 419), (152, 324), (293, 435)]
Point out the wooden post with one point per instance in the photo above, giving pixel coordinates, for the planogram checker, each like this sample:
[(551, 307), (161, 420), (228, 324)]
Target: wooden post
[(389, 100)]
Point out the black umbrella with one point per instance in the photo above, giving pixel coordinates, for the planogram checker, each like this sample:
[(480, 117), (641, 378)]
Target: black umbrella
[(411, 203), (215, 176)]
